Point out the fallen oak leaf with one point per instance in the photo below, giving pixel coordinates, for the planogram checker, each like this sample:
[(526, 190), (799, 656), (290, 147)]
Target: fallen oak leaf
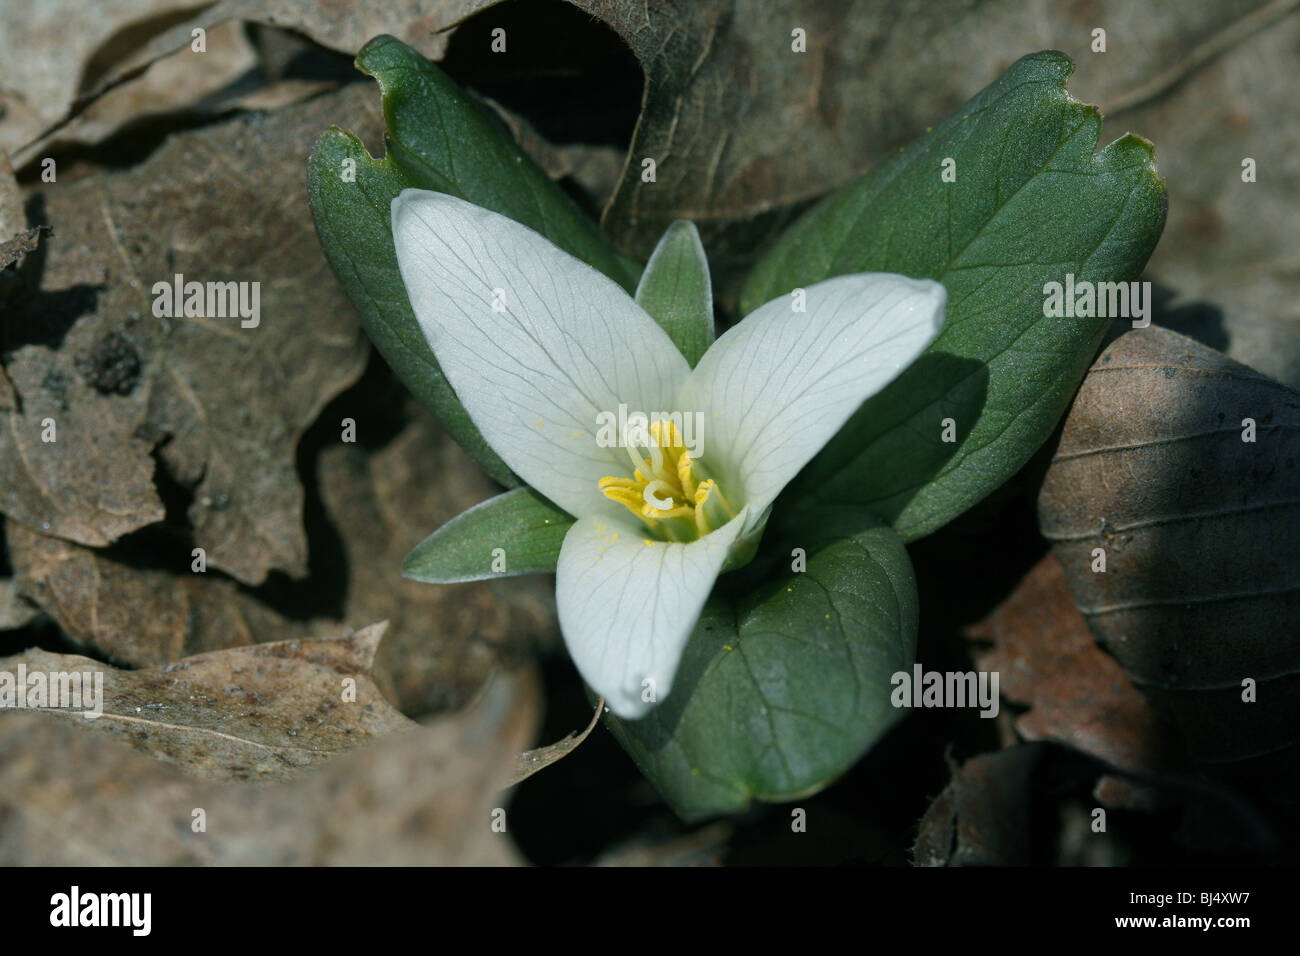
[(172, 92), (751, 107), (529, 762), (263, 712), (15, 242), (12, 216), (72, 463), (426, 796)]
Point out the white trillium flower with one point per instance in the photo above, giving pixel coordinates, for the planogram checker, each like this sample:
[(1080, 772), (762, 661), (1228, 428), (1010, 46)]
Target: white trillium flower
[(540, 348)]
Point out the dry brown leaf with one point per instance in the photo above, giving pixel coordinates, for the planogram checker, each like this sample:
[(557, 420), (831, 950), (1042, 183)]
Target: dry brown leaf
[(139, 615), (528, 763), (264, 712), (93, 482), (12, 250), (15, 610), (12, 217), (1229, 250), (182, 88), (15, 242), (183, 83), (66, 77), (423, 797), (383, 501), (224, 406), (380, 500), (48, 49), (1077, 695), (739, 123), (1199, 528), (343, 25)]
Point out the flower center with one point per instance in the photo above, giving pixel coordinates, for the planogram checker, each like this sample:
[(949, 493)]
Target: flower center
[(669, 490)]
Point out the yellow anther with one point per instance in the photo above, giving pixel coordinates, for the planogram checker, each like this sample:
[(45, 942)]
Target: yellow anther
[(684, 476), (667, 489)]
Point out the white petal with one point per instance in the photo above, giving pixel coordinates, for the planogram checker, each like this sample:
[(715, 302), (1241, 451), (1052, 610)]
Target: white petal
[(562, 344), (628, 604), (778, 386)]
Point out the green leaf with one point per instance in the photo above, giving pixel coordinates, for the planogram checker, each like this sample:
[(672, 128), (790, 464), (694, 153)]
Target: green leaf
[(526, 528), (677, 292), (1031, 202), (438, 138), (782, 690)]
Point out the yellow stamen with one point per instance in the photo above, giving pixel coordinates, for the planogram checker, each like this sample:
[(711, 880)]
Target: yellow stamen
[(669, 490)]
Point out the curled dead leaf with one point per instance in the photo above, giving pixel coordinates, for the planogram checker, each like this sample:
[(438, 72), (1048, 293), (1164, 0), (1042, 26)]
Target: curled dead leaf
[(1178, 472)]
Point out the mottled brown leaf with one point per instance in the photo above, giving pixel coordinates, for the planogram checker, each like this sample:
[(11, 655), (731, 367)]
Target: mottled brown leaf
[(223, 405), (16, 240), (12, 250), (93, 482), (12, 217), (420, 797), (1201, 535), (249, 713)]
